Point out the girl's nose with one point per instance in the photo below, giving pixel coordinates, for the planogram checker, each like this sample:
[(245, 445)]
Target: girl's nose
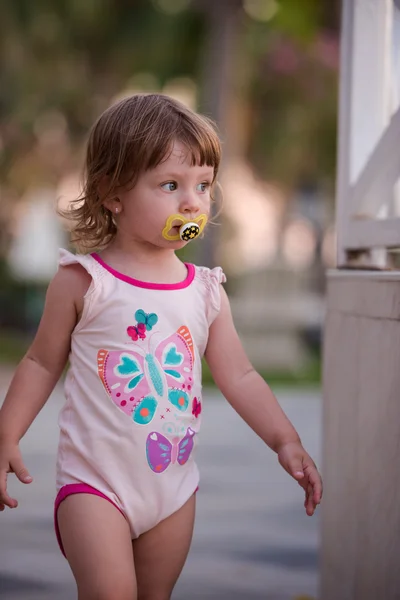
[(189, 204)]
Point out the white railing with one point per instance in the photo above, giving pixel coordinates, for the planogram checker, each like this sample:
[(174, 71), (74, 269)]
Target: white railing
[(368, 211)]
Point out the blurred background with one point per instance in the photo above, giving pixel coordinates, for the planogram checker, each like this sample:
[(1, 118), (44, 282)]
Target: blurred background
[(267, 72)]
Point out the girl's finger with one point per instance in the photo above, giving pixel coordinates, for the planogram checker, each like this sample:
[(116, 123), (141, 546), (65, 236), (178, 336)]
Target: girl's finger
[(310, 501), (316, 482), (21, 471), (5, 499), (317, 492), (307, 492), (296, 470)]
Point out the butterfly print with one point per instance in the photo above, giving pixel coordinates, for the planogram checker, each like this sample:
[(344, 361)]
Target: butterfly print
[(146, 378), (145, 322), (146, 319), (136, 332), (196, 407), (137, 379), (161, 452)]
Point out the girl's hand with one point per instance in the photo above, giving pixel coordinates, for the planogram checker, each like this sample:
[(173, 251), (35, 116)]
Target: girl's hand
[(11, 462), (295, 460)]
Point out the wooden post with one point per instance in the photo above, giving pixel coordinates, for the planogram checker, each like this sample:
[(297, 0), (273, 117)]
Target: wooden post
[(360, 510), (360, 514)]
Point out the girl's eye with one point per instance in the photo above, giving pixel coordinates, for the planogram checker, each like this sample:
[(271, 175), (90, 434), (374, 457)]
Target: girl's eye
[(203, 187), (170, 186)]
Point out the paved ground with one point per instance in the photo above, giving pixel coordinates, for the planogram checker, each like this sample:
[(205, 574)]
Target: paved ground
[(252, 539)]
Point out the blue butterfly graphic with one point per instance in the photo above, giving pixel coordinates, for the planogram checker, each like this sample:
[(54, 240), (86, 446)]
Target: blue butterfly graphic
[(147, 319)]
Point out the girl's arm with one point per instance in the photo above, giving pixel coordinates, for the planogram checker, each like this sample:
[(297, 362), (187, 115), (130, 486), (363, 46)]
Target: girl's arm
[(39, 370), (254, 401)]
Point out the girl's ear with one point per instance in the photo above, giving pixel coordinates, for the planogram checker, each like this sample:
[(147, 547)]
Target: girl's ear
[(111, 202), (114, 205)]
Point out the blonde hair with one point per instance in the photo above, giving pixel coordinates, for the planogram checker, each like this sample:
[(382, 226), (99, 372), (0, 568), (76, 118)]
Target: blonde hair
[(130, 137)]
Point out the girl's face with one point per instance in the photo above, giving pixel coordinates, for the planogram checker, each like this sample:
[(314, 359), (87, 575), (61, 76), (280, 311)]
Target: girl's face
[(173, 187)]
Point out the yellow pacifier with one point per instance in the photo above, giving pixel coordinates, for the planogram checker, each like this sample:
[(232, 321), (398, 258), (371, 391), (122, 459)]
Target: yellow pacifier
[(188, 230)]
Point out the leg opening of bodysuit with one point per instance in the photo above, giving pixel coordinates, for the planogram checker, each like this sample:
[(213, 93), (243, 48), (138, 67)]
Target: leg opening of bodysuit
[(69, 490)]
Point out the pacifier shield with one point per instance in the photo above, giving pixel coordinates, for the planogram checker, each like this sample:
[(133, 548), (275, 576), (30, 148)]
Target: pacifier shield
[(189, 231)]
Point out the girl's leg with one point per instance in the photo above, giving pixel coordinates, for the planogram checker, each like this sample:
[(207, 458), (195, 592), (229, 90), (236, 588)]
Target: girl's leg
[(98, 545), (161, 553)]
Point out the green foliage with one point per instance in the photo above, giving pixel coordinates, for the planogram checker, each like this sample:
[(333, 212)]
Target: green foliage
[(299, 20), (72, 57), (293, 93), (13, 346), (308, 376)]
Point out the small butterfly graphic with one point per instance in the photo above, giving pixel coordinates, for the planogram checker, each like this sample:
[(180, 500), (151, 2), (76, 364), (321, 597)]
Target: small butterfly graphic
[(145, 322), (146, 319), (196, 407), (162, 452), (137, 331)]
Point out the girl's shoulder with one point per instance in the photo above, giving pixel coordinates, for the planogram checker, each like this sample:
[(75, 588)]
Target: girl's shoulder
[(67, 258), (72, 278), (211, 280), (84, 264), (213, 277), (80, 273)]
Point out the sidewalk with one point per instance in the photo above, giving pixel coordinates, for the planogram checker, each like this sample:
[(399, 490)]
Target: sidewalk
[(252, 538)]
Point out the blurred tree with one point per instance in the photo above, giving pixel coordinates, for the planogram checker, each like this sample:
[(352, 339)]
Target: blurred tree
[(291, 134), (70, 57), (217, 90), (267, 73), (61, 63)]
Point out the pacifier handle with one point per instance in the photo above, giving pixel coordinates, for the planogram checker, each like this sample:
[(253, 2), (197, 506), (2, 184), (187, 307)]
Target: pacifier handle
[(188, 230)]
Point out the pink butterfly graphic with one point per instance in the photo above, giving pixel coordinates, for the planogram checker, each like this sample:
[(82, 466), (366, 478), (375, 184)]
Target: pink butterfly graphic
[(137, 379), (161, 452), (137, 331)]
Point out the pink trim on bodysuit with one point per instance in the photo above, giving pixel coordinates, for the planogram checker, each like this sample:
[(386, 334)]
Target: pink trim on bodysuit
[(145, 284), (79, 488), (69, 490)]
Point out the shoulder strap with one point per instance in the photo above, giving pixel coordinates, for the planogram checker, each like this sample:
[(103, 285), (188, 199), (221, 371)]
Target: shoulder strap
[(86, 260)]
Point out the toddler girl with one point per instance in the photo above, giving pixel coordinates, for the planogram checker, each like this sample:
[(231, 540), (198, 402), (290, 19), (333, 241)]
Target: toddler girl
[(134, 322)]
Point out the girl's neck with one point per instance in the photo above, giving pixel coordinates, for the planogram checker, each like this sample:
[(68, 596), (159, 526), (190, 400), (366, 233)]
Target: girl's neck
[(151, 264)]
